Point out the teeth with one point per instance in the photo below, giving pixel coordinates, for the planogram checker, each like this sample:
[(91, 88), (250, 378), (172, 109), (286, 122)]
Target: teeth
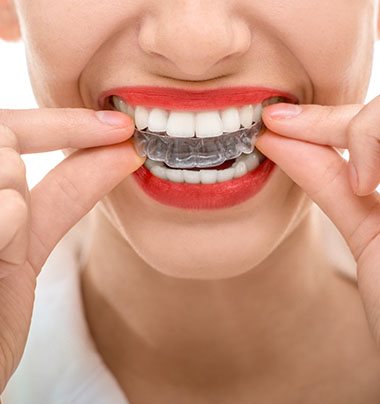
[(204, 124), (192, 177), (257, 112), (246, 115), (131, 111), (251, 161), (159, 171), (141, 117), (181, 124), (185, 124), (230, 120), (240, 169), (272, 100), (208, 176), (226, 175), (243, 164), (158, 119), (208, 124), (149, 164), (122, 106), (175, 175)]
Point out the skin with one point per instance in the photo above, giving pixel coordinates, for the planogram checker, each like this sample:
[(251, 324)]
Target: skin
[(178, 318)]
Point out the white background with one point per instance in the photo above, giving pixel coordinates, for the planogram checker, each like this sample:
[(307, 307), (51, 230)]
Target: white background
[(16, 93)]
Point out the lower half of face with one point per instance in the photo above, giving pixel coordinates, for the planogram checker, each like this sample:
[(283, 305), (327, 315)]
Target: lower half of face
[(190, 221), (213, 244)]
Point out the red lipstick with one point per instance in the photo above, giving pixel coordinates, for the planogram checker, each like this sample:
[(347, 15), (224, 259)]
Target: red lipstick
[(192, 100), (199, 196)]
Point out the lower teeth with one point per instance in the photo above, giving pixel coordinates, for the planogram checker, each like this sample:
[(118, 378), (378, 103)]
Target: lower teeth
[(243, 165)]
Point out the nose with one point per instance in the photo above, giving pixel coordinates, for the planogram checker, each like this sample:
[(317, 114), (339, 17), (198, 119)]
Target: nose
[(194, 35)]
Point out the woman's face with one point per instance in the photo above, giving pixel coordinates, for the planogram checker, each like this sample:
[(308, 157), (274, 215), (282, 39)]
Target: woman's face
[(319, 51)]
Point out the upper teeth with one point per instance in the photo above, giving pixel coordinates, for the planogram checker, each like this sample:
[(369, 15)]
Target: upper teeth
[(188, 123)]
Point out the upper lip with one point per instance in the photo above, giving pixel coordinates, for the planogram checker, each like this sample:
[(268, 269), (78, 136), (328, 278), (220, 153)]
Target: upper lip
[(194, 100)]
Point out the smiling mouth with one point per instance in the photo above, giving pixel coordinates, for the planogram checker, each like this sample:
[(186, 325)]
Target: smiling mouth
[(198, 147)]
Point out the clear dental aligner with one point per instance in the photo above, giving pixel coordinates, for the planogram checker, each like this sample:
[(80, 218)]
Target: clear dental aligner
[(179, 152)]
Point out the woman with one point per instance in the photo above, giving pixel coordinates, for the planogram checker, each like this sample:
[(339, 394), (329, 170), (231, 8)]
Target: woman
[(196, 288)]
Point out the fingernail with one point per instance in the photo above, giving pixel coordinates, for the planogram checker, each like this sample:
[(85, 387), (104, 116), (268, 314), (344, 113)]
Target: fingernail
[(283, 111), (113, 118), (353, 176)]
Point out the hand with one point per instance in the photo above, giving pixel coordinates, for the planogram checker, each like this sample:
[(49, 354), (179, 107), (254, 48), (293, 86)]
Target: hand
[(305, 147), (31, 223)]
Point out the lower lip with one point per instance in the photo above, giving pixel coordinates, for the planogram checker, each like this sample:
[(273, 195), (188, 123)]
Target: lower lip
[(200, 196)]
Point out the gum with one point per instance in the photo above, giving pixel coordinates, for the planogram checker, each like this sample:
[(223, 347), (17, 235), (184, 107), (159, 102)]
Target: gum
[(196, 152)]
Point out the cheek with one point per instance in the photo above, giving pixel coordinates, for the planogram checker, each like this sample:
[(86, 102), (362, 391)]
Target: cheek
[(58, 49), (338, 58), (331, 44)]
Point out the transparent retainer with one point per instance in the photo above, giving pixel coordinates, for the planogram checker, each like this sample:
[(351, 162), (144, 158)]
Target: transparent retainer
[(180, 152)]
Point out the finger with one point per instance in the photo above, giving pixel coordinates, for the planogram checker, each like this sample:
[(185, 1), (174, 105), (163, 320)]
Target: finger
[(8, 138), (14, 231), (72, 189), (322, 173), (364, 148), (325, 125), (12, 167), (12, 171), (47, 129)]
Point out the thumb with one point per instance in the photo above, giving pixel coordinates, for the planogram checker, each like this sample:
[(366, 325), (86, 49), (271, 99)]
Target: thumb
[(322, 173), (71, 190)]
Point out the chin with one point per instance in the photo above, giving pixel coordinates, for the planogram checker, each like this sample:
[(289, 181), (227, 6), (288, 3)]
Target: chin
[(210, 264), (197, 253)]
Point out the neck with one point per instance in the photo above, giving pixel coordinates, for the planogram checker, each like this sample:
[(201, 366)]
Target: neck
[(148, 325)]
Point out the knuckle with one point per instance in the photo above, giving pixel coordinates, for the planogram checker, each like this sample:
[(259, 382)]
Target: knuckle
[(363, 133), (8, 138), (324, 113), (74, 119), (13, 206), (14, 221), (354, 126), (329, 113), (11, 164), (365, 236), (331, 172), (320, 115), (360, 127), (71, 193)]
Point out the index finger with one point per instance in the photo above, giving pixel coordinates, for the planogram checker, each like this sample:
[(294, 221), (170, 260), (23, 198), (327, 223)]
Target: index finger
[(325, 125), (47, 129)]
